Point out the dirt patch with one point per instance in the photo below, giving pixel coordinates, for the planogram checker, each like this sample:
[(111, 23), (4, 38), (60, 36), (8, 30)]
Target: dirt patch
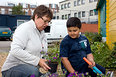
[(3, 56)]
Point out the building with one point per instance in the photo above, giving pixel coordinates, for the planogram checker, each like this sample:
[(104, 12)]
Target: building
[(84, 9), (54, 8), (27, 8), (5, 9), (107, 20)]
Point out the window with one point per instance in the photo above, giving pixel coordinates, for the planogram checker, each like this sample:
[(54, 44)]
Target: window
[(83, 1), (33, 6), (91, 12), (11, 4), (75, 14), (26, 13), (9, 11), (32, 12), (68, 15), (62, 16), (83, 13), (19, 22), (47, 29), (79, 14), (2, 11), (90, 1), (65, 6), (57, 17), (78, 2), (95, 0), (54, 11), (75, 3), (55, 6), (61, 6), (54, 17), (68, 5)]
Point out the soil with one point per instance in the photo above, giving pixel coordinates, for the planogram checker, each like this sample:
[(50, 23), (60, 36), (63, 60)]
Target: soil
[(3, 56)]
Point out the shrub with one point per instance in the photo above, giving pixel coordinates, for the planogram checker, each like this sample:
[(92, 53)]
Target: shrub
[(103, 55), (93, 37)]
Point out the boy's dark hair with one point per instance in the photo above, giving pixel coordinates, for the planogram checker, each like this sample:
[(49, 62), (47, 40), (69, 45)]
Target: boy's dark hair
[(74, 22), (41, 11)]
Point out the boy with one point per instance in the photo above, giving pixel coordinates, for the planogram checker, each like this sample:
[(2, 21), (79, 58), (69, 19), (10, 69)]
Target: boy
[(74, 47)]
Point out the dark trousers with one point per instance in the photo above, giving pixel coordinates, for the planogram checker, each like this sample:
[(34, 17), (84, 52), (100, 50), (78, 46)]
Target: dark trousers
[(85, 69)]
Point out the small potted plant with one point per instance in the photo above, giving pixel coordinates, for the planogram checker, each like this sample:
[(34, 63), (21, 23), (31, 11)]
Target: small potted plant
[(53, 58)]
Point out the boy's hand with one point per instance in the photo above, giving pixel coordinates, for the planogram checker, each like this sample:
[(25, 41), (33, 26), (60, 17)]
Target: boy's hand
[(93, 64), (91, 59)]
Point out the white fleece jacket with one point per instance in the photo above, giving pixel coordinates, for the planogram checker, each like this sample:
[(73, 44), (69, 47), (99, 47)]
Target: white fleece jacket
[(26, 46)]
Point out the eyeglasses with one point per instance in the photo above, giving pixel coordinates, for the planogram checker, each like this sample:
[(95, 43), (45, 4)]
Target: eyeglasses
[(46, 21)]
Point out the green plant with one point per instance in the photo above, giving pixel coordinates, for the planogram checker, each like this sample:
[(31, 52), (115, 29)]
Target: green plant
[(114, 48), (103, 55), (111, 60), (52, 54), (93, 37)]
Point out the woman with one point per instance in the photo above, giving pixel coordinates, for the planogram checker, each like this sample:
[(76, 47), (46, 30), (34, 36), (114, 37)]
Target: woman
[(29, 40)]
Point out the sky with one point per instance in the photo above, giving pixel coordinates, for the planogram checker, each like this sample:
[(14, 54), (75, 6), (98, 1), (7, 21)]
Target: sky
[(38, 2)]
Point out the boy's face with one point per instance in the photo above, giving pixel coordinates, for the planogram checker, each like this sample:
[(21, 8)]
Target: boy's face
[(73, 32)]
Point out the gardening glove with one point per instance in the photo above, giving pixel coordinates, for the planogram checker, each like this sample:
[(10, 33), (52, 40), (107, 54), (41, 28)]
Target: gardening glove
[(43, 64)]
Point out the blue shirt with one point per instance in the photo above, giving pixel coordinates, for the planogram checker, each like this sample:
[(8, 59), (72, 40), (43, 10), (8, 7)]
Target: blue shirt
[(75, 50)]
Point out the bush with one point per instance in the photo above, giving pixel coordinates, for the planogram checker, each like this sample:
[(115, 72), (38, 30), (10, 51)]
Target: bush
[(103, 55), (93, 37)]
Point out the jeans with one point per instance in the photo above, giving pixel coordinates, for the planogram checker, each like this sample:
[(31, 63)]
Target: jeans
[(22, 70)]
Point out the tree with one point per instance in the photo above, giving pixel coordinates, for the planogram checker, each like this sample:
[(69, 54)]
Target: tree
[(17, 10)]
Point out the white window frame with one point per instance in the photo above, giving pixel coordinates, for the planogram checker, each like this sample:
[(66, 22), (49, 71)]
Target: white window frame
[(20, 21)]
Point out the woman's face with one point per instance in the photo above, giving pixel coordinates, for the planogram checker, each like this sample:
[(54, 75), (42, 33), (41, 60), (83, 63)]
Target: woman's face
[(42, 22), (73, 32)]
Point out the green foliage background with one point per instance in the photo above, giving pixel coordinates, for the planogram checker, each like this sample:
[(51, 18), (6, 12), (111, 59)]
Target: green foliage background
[(17, 10), (102, 54)]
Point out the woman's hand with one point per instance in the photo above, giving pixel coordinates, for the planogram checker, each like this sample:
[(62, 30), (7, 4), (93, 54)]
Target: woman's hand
[(43, 64)]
